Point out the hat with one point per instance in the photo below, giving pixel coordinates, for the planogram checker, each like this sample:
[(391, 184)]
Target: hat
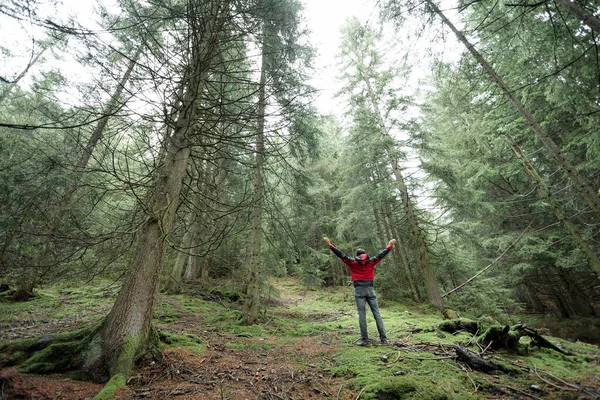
[(360, 251)]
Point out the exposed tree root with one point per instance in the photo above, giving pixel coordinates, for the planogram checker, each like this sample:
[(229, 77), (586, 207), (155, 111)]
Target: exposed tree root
[(72, 352), (115, 383), (48, 354), (500, 337), (508, 338)]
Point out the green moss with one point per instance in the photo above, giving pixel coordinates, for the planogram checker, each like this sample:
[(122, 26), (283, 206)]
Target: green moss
[(59, 301), (331, 315), (229, 316), (458, 324), (165, 313), (57, 357), (404, 388), (486, 322), (127, 356), (186, 340), (57, 353), (108, 392)]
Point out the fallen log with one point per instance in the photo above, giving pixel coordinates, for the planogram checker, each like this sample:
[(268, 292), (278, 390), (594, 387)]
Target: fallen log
[(457, 325), (477, 363)]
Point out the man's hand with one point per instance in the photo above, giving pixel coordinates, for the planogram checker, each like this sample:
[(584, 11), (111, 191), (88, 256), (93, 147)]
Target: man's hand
[(327, 241), (392, 242)]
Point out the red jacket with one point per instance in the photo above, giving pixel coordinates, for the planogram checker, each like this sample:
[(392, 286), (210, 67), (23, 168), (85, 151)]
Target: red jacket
[(362, 268)]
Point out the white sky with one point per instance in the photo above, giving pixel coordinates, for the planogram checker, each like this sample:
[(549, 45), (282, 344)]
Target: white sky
[(325, 18)]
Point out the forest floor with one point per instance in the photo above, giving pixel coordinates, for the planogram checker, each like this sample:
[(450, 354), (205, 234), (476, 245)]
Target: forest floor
[(303, 348)]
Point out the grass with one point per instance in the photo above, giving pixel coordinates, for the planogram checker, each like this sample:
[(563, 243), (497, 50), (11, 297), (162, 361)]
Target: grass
[(59, 304)]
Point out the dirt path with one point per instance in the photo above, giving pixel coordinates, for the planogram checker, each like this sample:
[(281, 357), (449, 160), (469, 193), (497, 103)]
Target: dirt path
[(296, 370), (231, 367)]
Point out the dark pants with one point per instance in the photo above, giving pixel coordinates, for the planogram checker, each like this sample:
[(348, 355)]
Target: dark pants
[(363, 295)]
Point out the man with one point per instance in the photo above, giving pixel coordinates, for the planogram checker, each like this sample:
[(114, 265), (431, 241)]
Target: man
[(362, 270)]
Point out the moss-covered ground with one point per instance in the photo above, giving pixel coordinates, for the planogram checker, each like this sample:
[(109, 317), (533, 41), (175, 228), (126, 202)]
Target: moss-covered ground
[(303, 347)]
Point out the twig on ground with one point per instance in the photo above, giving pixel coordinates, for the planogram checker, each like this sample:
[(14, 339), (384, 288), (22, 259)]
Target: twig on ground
[(486, 347), (475, 387), (361, 392), (553, 384), (399, 357), (524, 393), (430, 358), (522, 366), (339, 391)]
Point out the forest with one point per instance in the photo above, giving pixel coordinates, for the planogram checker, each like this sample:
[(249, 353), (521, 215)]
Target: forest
[(167, 179)]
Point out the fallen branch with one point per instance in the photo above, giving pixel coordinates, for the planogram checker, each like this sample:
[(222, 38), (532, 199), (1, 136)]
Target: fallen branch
[(473, 360), (429, 358), (486, 268), (540, 341), (553, 384), (358, 397), (524, 393)]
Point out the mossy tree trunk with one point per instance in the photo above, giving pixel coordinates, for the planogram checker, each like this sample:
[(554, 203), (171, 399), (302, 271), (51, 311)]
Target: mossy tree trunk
[(126, 332)]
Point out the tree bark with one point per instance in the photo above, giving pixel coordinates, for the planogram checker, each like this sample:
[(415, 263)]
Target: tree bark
[(126, 331), (252, 303), (585, 190), (581, 13), (401, 253)]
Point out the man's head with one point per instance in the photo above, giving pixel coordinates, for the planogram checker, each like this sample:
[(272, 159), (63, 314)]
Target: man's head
[(360, 251)]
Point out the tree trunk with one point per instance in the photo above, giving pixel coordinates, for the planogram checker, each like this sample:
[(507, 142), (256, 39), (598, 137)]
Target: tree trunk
[(194, 261), (205, 268), (586, 191), (11, 84), (126, 332), (401, 253), (111, 108), (423, 252), (252, 303), (579, 302), (174, 277), (581, 13)]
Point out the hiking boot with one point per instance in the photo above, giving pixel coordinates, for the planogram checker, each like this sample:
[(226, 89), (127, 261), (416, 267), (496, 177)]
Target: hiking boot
[(385, 342), (362, 342)]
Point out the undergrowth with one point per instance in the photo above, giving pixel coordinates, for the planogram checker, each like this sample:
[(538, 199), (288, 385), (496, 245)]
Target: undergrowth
[(419, 365)]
